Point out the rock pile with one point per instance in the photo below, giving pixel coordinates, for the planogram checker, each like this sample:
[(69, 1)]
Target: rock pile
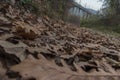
[(34, 48)]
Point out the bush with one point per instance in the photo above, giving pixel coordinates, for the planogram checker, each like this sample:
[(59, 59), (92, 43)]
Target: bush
[(51, 8), (29, 5), (73, 19), (109, 25)]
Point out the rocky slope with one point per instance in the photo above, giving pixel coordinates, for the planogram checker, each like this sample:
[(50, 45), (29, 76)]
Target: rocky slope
[(35, 48)]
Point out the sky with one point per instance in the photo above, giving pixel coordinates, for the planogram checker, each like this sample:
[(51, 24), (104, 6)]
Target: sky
[(93, 4)]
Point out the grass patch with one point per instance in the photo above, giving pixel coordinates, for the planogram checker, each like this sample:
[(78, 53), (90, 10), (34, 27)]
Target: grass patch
[(101, 25), (105, 29)]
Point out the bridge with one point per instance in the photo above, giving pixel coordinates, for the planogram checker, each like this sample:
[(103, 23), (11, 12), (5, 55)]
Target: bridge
[(77, 13), (80, 7)]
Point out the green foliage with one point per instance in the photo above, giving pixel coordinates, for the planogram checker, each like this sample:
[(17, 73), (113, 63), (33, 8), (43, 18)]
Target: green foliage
[(91, 21), (26, 1), (113, 6), (103, 24), (54, 8), (111, 12), (110, 22), (29, 5)]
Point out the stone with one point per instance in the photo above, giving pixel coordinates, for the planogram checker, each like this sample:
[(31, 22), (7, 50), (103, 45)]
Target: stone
[(12, 53)]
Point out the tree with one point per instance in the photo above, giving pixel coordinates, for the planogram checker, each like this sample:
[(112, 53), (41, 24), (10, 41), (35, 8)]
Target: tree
[(111, 12), (112, 6)]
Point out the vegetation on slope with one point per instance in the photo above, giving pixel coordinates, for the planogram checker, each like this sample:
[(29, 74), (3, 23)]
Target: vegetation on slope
[(108, 21)]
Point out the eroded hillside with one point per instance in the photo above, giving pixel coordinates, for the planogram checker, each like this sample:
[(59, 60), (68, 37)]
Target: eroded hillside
[(40, 48)]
